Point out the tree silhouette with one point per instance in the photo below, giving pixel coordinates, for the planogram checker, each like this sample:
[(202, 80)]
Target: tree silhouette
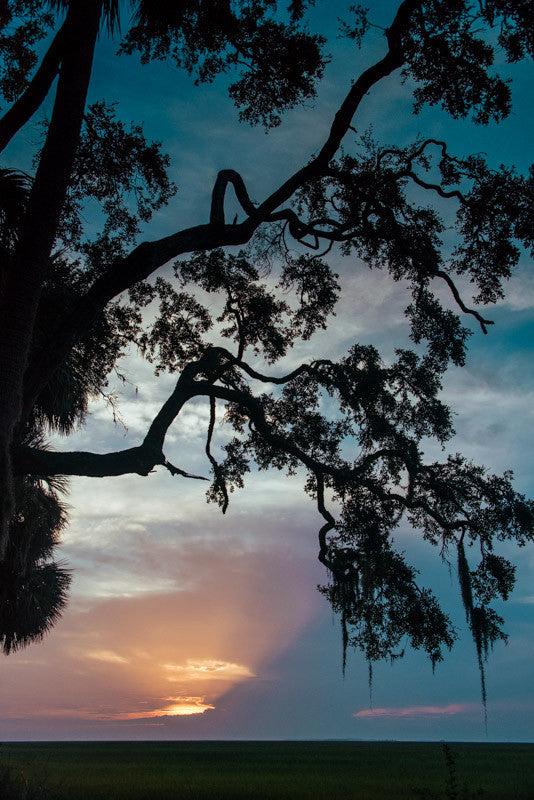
[(33, 587), (72, 303)]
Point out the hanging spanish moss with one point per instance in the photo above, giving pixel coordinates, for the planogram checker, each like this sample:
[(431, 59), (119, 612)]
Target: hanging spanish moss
[(479, 632), (345, 639), (379, 602), (475, 620), (382, 606), (494, 577), (464, 578)]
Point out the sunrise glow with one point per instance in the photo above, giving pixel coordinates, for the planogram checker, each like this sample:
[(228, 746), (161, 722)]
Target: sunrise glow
[(178, 707), (207, 669), (184, 707)]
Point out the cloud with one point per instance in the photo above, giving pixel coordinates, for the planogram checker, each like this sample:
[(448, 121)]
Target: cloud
[(106, 655), (133, 536), (176, 707), (207, 669), (519, 290), (180, 706), (417, 711)]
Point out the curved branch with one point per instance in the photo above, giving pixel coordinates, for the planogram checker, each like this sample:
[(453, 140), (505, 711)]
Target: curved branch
[(448, 280), (253, 373), (183, 392), (134, 460), (141, 459), (397, 151), (330, 523), (273, 378), (299, 229), (138, 265), (435, 187), (225, 177), (341, 124)]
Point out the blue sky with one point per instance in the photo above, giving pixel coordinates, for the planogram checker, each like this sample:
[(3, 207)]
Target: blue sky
[(174, 606)]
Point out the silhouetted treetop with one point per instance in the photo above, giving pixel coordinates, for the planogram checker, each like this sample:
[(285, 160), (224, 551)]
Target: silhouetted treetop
[(219, 304)]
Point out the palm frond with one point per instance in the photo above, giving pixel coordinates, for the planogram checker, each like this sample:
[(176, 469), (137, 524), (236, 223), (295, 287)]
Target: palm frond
[(33, 587), (15, 187), (35, 606)]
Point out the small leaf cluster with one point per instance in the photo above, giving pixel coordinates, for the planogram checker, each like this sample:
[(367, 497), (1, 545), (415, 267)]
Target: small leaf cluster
[(450, 62), (497, 213), (279, 62), (23, 24), (176, 334), (116, 167), (256, 316)]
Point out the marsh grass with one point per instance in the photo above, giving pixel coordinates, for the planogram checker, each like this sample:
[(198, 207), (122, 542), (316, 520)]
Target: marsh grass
[(276, 770), (452, 790), (14, 785)]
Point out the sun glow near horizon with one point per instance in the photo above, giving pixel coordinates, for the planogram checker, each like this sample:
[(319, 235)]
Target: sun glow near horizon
[(185, 706), (181, 706), (212, 678)]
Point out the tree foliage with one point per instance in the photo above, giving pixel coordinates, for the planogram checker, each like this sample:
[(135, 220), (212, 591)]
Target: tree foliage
[(34, 587), (75, 298)]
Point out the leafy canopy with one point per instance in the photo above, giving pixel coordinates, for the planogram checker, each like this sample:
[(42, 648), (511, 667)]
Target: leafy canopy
[(92, 293)]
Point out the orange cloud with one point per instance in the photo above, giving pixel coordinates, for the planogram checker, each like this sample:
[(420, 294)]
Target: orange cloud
[(179, 707), (207, 669), (416, 711), (174, 707), (106, 655)]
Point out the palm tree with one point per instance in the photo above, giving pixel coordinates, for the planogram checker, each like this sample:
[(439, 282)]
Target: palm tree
[(33, 587)]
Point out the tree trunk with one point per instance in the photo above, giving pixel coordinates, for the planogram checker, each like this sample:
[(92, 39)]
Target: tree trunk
[(24, 281)]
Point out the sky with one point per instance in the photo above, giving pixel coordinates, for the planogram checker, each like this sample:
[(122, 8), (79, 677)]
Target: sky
[(186, 624)]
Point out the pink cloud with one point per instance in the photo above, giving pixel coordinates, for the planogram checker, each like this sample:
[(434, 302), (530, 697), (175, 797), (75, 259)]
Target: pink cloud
[(417, 711)]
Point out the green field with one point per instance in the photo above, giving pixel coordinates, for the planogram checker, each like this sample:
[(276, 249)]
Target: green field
[(273, 770)]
